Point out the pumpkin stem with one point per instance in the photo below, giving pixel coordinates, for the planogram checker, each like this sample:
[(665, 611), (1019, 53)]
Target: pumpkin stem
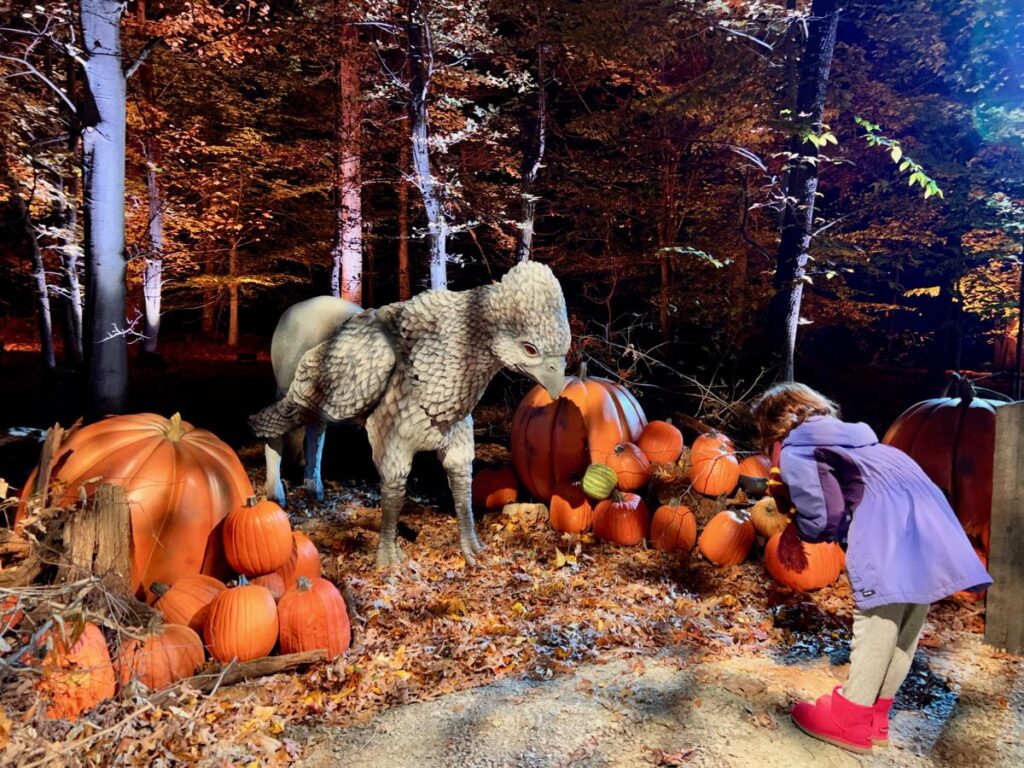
[(617, 496), (252, 501), (304, 584), (242, 581), (159, 589), (583, 370), (175, 430)]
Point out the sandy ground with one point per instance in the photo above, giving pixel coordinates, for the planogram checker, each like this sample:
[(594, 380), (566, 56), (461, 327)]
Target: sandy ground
[(966, 709)]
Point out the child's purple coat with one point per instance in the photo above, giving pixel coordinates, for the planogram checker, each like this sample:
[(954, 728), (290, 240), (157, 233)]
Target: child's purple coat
[(904, 544)]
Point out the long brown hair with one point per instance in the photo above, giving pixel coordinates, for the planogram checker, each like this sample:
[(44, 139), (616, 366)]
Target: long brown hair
[(784, 407)]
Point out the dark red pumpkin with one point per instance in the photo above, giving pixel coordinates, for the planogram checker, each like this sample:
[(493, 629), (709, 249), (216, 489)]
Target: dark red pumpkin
[(494, 488), (622, 519), (570, 509)]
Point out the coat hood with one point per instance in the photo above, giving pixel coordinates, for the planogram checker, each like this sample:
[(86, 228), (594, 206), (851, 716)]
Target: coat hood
[(826, 430)]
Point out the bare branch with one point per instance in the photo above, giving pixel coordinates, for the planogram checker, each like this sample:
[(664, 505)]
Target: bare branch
[(147, 49), (43, 78)]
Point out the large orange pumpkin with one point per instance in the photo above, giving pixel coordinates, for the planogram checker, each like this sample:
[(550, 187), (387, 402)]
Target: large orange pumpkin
[(554, 441), (661, 441), (77, 673), (824, 564), (570, 509), (313, 616), (167, 654), (494, 488), (257, 538), (622, 519), (714, 470), (188, 600), (727, 538), (242, 623), (303, 561), (953, 439), (181, 482), (757, 465), (674, 528), (630, 465)]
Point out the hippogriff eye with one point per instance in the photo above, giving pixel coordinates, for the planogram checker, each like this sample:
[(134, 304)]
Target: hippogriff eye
[(529, 349)]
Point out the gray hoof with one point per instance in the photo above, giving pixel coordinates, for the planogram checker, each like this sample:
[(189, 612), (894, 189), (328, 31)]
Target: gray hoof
[(314, 488)]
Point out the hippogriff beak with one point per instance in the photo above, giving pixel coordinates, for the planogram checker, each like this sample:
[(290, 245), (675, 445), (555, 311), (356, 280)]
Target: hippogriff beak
[(550, 374)]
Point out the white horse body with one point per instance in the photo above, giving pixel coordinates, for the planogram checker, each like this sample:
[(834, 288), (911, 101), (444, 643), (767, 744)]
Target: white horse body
[(302, 326)]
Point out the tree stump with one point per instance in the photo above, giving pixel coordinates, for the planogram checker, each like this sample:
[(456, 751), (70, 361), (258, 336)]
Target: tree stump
[(97, 541)]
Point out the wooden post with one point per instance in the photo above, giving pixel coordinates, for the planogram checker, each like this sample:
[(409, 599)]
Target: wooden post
[(1004, 619), (97, 540)]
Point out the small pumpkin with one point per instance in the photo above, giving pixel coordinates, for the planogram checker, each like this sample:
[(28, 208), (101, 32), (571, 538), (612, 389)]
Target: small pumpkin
[(167, 654), (494, 488), (661, 442), (714, 470), (757, 465), (727, 538), (272, 581), (77, 673), (570, 509), (766, 517), (188, 600), (622, 519), (303, 561), (824, 564), (674, 528), (630, 466), (257, 538), (599, 481), (313, 616), (241, 623)]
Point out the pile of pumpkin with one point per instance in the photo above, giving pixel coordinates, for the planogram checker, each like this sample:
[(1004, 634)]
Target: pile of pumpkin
[(195, 526), (590, 455)]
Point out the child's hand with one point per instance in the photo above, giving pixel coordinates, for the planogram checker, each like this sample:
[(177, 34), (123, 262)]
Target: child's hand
[(791, 550)]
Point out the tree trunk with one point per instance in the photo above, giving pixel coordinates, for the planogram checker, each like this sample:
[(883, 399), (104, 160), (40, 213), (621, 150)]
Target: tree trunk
[(24, 220), (346, 254), (67, 217), (370, 275), (801, 184), (404, 278), (103, 155), (420, 57), (533, 156), (233, 295), (152, 277)]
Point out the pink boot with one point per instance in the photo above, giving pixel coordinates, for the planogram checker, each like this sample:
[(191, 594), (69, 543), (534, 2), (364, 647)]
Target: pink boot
[(880, 722), (837, 721)]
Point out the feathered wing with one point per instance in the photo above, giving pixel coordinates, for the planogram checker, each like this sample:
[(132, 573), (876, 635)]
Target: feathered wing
[(342, 378)]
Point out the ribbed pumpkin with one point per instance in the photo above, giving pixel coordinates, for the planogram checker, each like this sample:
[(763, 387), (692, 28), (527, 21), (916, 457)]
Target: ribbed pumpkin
[(824, 564), (181, 482), (953, 439), (494, 488), (630, 465), (313, 617), (674, 528), (599, 481), (554, 441), (272, 581), (188, 600), (727, 538), (622, 519), (570, 509), (766, 517), (257, 538), (77, 675), (661, 442), (757, 465), (303, 561), (241, 623), (167, 654), (714, 470)]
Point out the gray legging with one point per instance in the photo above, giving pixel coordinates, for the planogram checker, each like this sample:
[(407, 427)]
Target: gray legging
[(884, 641)]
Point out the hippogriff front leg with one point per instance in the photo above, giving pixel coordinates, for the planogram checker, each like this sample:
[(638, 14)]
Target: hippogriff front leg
[(393, 467), (457, 459)]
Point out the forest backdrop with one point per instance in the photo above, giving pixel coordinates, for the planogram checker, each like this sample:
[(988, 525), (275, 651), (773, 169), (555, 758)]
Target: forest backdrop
[(722, 187)]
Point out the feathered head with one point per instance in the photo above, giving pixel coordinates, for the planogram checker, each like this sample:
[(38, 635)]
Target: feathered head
[(530, 328)]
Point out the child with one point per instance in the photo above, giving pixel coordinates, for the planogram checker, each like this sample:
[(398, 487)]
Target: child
[(905, 550)]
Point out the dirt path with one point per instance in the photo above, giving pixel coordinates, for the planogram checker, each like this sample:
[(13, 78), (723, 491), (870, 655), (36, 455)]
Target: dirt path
[(968, 711)]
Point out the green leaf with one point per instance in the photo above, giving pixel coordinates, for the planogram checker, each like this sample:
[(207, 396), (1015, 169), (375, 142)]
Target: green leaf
[(896, 153)]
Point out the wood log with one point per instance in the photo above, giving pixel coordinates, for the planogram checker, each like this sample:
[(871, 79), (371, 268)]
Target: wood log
[(220, 675), (97, 540)]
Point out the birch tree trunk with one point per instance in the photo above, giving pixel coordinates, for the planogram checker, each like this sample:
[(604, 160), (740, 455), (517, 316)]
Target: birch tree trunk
[(801, 184), (70, 248), (24, 220), (347, 252), (152, 276), (103, 160), (533, 156), (420, 69), (404, 278)]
